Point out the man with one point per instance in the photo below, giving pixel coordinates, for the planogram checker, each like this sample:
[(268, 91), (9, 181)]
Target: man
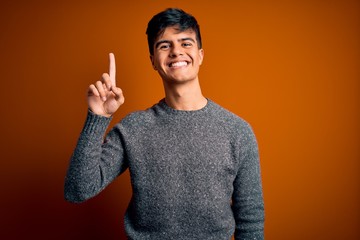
[(194, 166)]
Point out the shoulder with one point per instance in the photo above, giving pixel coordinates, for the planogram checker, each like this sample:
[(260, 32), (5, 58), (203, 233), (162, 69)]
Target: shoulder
[(239, 130), (139, 118), (229, 120)]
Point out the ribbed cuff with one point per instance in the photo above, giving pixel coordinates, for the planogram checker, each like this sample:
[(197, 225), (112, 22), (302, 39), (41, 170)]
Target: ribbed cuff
[(95, 125)]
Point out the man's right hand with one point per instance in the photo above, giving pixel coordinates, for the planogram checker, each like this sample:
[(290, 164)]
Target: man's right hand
[(104, 98)]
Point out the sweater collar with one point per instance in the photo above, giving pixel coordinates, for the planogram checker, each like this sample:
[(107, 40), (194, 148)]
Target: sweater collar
[(162, 104)]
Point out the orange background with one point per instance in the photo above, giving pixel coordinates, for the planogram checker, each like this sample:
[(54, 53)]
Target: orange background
[(290, 68)]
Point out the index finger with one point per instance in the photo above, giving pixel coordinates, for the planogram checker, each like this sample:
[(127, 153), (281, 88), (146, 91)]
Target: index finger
[(112, 69)]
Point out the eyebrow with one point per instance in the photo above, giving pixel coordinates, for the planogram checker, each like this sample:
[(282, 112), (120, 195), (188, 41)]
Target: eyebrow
[(179, 40)]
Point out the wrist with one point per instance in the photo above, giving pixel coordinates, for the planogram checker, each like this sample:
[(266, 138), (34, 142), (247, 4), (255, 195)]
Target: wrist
[(100, 114)]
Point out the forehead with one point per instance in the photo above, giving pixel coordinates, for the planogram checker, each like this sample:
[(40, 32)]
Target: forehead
[(174, 32)]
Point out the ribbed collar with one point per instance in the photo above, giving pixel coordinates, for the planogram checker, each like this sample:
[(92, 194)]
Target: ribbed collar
[(163, 106)]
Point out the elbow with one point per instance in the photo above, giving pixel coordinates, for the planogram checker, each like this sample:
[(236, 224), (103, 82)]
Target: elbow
[(78, 189), (75, 194), (74, 198), (250, 222)]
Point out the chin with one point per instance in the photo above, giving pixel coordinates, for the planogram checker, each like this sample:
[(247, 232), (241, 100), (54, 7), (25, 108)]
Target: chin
[(179, 80)]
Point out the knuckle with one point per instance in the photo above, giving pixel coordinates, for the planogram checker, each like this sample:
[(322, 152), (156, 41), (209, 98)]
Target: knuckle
[(105, 76)]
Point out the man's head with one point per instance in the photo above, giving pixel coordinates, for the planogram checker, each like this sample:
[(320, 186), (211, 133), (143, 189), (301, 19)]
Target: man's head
[(171, 17)]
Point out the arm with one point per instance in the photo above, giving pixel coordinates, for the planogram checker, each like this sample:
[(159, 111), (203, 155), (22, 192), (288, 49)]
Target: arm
[(248, 205), (95, 163)]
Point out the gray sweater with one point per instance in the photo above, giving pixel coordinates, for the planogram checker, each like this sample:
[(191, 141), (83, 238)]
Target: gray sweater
[(194, 174)]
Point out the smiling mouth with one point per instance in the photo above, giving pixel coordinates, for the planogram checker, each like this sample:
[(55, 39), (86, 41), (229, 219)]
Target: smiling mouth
[(178, 64)]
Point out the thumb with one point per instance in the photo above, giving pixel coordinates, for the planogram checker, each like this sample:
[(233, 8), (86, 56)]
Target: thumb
[(119, 96)]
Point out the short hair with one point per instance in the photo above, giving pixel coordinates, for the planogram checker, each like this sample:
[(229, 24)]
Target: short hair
[(168, 18)]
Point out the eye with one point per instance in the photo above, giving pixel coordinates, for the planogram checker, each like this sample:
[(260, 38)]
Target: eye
[(164, 46), (187, 44)]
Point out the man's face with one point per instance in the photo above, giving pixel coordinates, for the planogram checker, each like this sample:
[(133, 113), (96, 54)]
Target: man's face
[(177, 57)]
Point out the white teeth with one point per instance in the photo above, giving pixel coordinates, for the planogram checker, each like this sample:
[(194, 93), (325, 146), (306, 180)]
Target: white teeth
[(178, 64)]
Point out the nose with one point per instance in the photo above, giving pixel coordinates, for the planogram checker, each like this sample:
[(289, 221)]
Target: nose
[(176, 50)]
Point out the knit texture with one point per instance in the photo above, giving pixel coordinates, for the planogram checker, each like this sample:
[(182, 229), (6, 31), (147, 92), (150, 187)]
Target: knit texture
[(194, 174)]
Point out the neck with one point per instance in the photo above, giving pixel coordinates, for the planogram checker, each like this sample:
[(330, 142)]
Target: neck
[(184, 96)]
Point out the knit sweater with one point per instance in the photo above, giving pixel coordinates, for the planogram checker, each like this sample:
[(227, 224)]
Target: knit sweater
[(194, 174)]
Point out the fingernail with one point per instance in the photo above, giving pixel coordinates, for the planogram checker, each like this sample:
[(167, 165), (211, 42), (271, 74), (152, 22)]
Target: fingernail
[(104, 99)]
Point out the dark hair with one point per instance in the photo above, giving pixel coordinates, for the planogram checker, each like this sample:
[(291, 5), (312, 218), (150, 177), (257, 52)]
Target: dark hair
[(168, 18)]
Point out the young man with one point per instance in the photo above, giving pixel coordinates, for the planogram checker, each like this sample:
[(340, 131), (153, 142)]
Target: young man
[(194, 166)]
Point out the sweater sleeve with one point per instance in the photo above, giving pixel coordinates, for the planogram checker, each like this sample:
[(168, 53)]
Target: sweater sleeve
[(247, 200), (95, 162)]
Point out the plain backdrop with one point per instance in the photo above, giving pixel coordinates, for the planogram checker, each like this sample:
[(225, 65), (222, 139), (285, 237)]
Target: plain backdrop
[(289, 68)]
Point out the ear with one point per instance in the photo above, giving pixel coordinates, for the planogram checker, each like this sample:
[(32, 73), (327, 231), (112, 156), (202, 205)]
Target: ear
[(152, 62), (201, 56)]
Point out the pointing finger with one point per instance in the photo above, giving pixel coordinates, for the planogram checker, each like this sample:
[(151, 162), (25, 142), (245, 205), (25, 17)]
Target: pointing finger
[(112, 69)]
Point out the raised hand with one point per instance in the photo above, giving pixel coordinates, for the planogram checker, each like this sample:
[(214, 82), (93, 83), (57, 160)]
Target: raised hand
[(104, 98)]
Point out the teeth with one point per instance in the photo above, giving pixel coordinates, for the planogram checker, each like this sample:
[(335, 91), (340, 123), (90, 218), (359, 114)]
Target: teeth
[(178, 64)]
